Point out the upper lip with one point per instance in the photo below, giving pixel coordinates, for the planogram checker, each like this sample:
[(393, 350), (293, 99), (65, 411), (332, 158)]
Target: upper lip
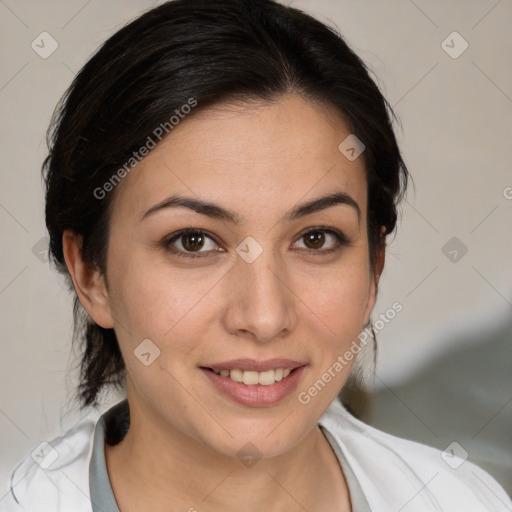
[(255, 366)]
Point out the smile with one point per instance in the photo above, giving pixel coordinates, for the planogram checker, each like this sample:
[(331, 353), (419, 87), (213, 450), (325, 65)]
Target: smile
[(262, 384), (251, 378)]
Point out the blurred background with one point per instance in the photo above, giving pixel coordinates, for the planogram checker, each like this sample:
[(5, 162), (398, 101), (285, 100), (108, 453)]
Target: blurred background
[(443, 373)]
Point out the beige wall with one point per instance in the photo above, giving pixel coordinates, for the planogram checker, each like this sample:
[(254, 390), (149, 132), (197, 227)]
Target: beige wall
[(456, 115)]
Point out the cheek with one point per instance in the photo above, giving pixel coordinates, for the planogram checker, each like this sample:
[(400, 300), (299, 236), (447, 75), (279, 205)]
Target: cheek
[(168, 311), (338, 299), (335, 317), (153, 301)]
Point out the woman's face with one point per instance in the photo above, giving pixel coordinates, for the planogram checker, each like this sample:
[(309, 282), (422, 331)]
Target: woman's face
[(262, 279)]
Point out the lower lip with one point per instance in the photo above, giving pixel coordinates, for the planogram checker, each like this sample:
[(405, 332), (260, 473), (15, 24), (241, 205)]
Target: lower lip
[(257, 395)]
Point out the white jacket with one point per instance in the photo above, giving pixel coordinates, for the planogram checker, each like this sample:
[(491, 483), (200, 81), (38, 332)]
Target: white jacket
[(394, 474)]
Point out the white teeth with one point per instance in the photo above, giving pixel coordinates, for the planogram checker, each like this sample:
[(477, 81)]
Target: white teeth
[(236, 375), (266, 378), (251, 378)]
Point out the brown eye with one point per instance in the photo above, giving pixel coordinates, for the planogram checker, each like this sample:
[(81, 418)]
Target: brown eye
[(314, 239), (193, 241)]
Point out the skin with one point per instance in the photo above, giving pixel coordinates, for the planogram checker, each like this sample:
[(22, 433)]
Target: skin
[(260, 160)]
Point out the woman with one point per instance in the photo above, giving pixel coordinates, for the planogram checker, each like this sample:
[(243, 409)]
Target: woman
[(221, 181)]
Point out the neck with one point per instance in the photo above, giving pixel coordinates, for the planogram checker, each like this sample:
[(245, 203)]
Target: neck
[(160, 469)]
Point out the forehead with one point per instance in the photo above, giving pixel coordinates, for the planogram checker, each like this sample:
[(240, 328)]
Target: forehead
[(252, 157)]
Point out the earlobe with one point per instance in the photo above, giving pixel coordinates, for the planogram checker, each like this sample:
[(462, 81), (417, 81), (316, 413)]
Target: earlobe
[(89, 282)]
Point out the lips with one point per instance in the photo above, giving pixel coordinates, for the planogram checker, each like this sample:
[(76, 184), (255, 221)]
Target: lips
[(255, 383), (252, 372)]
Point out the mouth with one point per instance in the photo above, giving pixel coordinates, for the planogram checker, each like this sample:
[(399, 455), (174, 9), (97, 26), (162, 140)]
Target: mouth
[(255, 384), (253, 378)]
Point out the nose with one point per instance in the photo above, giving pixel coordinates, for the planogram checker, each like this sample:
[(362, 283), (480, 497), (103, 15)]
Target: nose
[(260, 304)]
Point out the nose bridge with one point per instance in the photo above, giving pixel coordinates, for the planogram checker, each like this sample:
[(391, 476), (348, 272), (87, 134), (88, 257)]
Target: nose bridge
[(263, 304)]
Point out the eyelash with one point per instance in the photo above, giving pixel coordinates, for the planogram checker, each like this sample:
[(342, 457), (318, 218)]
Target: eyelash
[(341, 241)]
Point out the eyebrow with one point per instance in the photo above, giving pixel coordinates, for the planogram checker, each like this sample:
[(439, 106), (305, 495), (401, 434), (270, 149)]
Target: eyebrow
[(216, 211)]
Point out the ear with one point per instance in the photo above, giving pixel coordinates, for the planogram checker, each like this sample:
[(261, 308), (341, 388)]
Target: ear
[(375, 277), (89, 282)]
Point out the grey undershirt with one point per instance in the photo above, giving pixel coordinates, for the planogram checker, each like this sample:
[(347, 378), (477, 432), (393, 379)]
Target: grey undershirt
[(113, 425)]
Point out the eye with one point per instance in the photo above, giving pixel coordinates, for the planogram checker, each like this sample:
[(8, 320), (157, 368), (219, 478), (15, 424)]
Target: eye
[(189, 244), (195, 243), (315, 239)]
